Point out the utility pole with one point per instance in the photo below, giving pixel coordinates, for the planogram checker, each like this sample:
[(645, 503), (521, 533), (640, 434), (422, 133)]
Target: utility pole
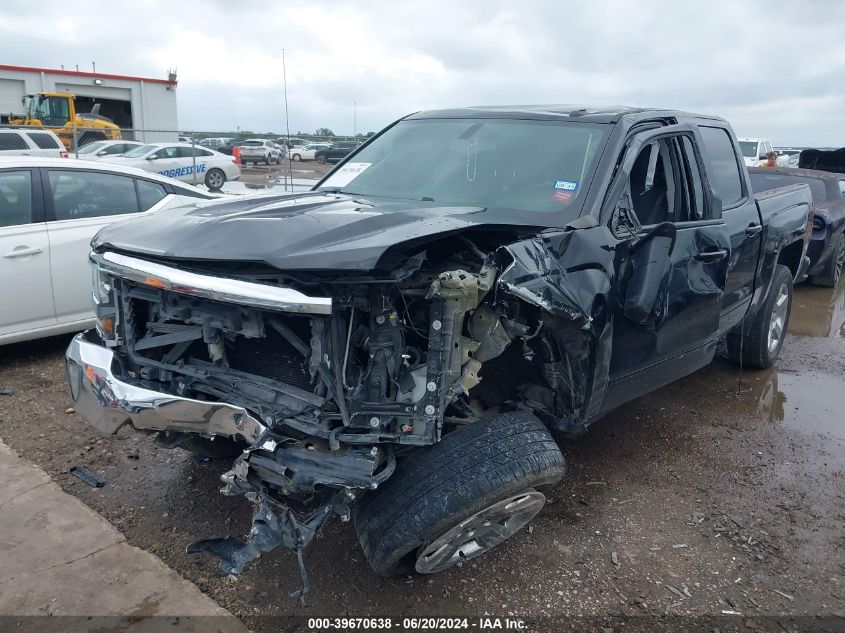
[(287, 122), (94, 67), (355, 118)]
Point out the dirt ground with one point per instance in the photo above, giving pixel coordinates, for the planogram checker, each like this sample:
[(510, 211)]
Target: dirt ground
[(694, 500)]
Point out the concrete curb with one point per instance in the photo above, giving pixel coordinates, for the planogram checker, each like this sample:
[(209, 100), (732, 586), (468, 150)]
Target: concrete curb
[(60, 558)]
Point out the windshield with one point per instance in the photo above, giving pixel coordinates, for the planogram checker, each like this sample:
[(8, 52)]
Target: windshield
[(139, 152), (764, 182), (92, 148), (749, 148), (506, 163)]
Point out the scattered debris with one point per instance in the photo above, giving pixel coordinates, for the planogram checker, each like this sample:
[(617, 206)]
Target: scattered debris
[(785, 595), (750, 599), (676, 591), (680, 546), (6, 392), (596, 483), (89, 477), (736, 521), (70, 410), (615, 559), (730, 612), (200, 459)]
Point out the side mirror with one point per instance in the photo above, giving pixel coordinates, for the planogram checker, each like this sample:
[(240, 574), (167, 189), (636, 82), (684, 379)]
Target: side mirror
[(101, 153), (153, 157)]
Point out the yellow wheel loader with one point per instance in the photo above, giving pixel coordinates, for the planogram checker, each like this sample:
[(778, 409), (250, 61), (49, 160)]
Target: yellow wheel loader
[(56, 111)]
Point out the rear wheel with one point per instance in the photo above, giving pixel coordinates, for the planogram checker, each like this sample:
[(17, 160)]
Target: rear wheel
[(761, 346), (215, 179), (832, 272), (296, 158), (321, 159), (460, 498)]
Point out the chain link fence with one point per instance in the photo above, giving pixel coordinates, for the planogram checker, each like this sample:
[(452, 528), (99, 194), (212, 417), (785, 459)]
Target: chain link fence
[(82, 141)]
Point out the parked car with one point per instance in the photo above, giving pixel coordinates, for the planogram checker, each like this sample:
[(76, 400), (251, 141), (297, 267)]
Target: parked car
[(259, 150), (788, 157), (755, 151), (215, 142), (49, 210), (180, 160), (30, 142), (229, 147), (827, 242), (291, 142), (397, 345), (334, 152), (306, 152), (99, 150)]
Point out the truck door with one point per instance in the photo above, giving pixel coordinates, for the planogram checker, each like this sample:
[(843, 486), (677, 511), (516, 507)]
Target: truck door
[(742, 221), (673, 258)]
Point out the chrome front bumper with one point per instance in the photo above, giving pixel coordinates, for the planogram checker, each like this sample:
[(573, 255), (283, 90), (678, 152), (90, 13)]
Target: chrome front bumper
[(108, 402)]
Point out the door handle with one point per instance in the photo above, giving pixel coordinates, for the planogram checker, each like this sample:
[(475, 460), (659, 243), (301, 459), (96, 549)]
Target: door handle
[(753, 229), (23, 252), (711, 256)]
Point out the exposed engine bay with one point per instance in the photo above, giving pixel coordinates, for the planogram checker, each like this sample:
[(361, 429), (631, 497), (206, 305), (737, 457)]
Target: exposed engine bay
[(396, 362)]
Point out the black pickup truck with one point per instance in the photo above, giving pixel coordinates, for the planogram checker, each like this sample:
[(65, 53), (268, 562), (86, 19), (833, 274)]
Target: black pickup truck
[(399, 345)]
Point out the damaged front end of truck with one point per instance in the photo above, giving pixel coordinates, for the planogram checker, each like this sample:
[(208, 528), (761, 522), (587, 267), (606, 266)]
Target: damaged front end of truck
[(321, 381)]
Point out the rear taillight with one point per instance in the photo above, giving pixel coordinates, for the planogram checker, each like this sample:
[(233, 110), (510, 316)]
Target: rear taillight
[(63, 155)]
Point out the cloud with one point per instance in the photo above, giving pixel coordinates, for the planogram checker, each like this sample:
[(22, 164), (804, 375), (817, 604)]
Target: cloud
[(772, 68)]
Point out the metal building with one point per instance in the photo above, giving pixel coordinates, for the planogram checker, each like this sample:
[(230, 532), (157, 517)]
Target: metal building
[(144, 108)]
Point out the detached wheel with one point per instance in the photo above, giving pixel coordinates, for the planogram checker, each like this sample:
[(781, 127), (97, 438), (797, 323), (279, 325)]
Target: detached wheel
[(832, 272), (321, 159), (761, 346), (460, 498), (215, 179)]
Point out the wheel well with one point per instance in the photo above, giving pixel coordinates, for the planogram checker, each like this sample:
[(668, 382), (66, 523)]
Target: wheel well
[(790, 256)]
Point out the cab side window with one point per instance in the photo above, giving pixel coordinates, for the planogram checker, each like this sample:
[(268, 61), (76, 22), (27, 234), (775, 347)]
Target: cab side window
[(15, 198), (83, 194), (842, 188), (652, 184), (724, 169), (665, 183)]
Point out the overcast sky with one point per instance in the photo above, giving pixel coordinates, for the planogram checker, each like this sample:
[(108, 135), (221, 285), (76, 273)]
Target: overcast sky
[(773, 69)]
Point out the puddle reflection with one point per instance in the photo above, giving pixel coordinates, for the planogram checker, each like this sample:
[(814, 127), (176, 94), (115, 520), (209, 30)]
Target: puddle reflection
[(818, 311)]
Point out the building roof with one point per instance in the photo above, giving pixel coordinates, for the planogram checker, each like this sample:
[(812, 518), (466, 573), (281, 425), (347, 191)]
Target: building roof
[(75, 73)]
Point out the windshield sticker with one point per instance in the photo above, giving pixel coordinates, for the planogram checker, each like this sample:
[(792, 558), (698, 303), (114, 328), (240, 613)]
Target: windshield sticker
[(564, 197), (345, 175), (565, 185)]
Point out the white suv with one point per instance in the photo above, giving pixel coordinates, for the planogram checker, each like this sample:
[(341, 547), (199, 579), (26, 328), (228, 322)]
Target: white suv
[(30, 142)]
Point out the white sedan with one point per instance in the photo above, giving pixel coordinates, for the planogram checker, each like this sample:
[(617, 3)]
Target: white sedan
[(183, 161), (306, 152), (50, 208), (100, 150)]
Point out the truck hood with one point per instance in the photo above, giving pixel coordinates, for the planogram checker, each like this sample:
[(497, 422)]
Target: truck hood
[(312, 231)]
